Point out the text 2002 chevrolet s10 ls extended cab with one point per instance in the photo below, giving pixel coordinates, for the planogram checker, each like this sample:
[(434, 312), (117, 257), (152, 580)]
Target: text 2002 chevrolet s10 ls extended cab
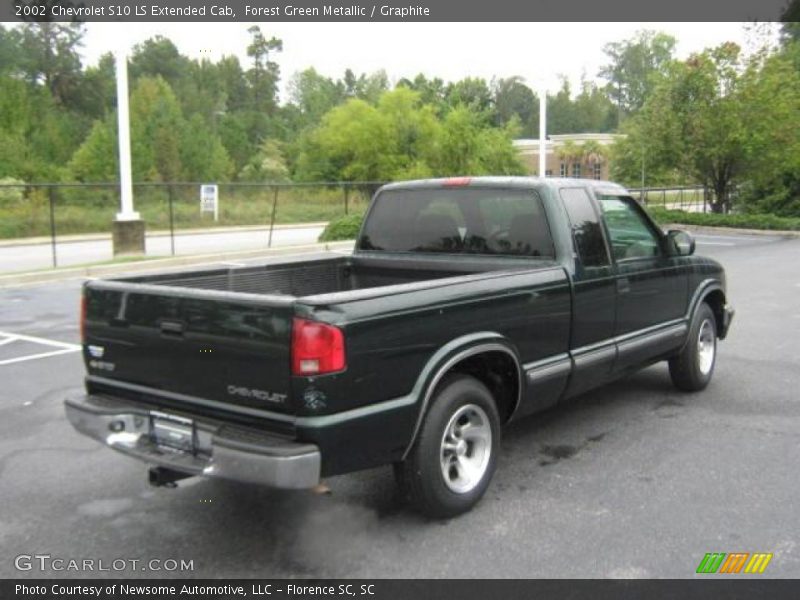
[(467, 303)]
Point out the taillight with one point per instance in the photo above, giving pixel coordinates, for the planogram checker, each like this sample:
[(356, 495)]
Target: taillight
[(317, 348), (83, 318), (457, 181)]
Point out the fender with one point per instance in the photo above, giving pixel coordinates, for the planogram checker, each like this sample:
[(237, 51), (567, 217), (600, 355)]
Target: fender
[(704, 289), (450, 354)]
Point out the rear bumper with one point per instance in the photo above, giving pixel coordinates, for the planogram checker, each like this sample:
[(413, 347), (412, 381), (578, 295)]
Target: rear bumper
[(217, 450), (727, 316)]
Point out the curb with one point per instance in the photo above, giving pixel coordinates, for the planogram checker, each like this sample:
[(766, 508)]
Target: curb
[(160, 264), (730, 230), (93, 237)]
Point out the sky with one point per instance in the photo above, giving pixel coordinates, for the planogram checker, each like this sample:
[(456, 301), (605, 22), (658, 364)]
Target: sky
[(539, 52)]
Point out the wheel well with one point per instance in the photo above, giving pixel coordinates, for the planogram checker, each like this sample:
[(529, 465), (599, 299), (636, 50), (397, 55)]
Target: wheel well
[(716, 300), (498, 372)]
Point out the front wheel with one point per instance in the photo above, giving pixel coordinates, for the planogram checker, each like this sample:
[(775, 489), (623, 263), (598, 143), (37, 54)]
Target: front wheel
[(691, 370), (452, 462)]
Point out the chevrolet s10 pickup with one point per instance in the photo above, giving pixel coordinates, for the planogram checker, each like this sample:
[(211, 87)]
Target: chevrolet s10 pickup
[(466, 303)]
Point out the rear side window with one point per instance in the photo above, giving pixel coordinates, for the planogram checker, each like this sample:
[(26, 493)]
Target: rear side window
[(466, 220), (587, 232)]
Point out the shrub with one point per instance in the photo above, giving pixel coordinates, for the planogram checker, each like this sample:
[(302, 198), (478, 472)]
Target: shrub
[(741, 221), (343, 228)]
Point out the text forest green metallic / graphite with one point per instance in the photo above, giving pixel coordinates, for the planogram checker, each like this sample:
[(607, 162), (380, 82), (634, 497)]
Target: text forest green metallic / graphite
[(214, 346)]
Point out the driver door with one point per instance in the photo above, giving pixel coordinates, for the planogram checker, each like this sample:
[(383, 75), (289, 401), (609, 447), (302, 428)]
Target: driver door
[(652, 285)]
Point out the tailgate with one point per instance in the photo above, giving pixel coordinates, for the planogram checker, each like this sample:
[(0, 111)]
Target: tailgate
[(222, 347)]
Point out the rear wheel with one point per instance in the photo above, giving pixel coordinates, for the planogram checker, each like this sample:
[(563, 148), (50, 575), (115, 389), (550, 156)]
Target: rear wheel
[(452, 462), (691, 370)]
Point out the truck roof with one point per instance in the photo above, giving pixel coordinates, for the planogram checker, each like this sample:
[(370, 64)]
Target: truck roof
[(513, 182)]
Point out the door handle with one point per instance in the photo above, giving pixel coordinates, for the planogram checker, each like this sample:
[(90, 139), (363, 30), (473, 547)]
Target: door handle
[(623, 285)]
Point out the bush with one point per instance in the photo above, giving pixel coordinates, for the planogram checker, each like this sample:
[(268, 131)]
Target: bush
[(14, 193), (740, 221), (343, 228)]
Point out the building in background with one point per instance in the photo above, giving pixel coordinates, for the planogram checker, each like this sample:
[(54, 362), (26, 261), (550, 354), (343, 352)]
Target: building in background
[(585, 155)]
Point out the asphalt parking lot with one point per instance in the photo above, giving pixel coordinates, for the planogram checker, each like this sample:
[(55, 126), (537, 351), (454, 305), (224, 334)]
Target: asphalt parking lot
[(635, 480)]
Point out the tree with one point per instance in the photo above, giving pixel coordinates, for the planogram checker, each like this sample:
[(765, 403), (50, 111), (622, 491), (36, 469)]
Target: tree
[(264, 75), (402, 138), (720, 121), (432, 92), (158, 57), (315, 94), (9, 55), (366, 87), (633, 63), (268, 164), (790, 26), (593, 110), (561, 114), (515, 100), (473, 92), (48, 55), (164, 145)]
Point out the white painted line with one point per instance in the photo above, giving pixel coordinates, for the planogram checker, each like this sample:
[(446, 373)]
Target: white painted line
[(36, 356), (715, 243), (38, 340), (7, 341), (233, 264), (752, 238)]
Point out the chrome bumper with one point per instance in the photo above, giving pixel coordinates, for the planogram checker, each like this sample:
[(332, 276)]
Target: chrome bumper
[(217, 450)]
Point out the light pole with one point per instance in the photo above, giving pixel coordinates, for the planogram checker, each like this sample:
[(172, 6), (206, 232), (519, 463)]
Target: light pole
[(542, 129), (128, 234)]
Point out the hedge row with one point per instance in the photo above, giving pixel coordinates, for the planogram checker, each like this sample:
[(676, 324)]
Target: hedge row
[(738, 221)]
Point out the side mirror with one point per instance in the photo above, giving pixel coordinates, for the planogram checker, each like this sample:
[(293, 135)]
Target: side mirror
[(681, 242)]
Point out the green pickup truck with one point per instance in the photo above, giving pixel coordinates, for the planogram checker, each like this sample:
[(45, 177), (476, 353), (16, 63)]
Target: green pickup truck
[(466, 303)]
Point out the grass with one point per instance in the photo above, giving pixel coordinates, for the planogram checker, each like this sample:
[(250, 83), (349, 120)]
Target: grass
[(92, 210)]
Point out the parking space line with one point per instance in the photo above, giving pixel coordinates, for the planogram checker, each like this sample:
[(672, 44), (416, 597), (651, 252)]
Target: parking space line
[(40, 355), (751, 238), (38, 340), (62, 347)]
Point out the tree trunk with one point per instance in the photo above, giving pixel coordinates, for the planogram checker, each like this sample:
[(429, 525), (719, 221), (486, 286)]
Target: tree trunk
[(720, 202)]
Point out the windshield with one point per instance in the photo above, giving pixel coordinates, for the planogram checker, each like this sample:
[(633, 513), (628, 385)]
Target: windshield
[(458, 221)]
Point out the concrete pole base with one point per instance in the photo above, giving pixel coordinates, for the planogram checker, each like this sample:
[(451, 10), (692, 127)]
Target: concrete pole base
[(128, 238)]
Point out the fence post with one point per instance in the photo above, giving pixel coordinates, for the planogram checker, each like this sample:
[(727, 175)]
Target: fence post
[(272, 218), (346, 197), (51, 193), (171, 200)]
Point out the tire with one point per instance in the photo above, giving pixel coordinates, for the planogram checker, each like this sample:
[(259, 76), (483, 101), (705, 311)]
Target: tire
[(447, 471), (692, 369)]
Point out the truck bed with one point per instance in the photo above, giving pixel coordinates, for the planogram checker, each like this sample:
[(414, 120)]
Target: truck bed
[(219, 339), (324, 276)]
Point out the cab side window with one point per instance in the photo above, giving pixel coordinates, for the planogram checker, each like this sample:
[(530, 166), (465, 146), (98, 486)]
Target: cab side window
[(587, 234), (631, 234)]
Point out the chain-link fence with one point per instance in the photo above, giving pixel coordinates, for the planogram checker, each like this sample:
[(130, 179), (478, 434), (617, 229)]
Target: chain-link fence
[(49, 225)]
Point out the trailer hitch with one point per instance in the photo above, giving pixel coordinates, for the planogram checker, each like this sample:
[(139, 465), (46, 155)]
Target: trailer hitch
[(164, 477)]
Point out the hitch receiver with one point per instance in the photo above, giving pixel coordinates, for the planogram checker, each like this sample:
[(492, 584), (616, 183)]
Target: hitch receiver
[(164, 477)]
